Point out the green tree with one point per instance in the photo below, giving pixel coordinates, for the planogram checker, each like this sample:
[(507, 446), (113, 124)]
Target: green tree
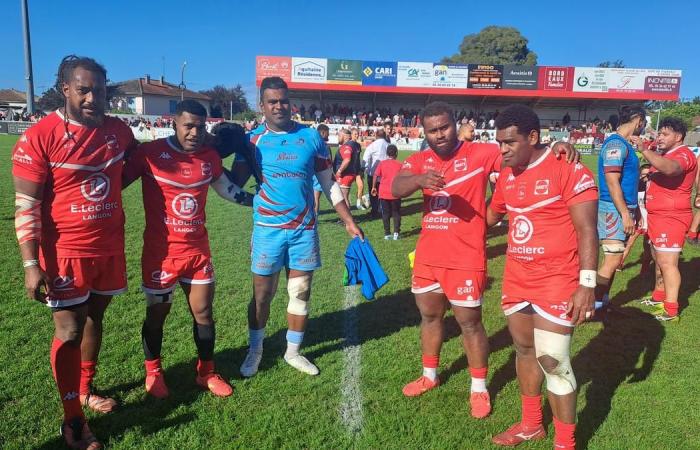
[(494, 45), (224, 99), (617, 64), (51, 100), (689, 112)]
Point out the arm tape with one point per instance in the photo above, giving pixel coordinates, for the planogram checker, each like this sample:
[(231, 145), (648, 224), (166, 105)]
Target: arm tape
[(230, 191), (330, 187), (27, 218)]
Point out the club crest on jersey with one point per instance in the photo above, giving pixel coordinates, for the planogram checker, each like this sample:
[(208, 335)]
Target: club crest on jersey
[(440, 203), (63, 283), (186, 172), (542, 187), (112, 142), (206, 169), (300, 141), (95, 188), (460, 165), (185, 205), (522, 188), (160, 275), (522, 229)]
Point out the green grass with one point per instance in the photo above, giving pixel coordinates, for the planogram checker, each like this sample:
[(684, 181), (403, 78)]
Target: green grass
[(637, 378)]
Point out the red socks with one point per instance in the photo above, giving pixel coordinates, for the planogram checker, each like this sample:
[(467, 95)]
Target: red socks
[(87, 374), (564, 435), (65, 362), (481, 372), (658, 296), (153, 365), (671, 308), (532, 411)]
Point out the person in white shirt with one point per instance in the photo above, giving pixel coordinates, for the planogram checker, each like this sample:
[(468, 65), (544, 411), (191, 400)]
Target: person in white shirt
[(374, 153)]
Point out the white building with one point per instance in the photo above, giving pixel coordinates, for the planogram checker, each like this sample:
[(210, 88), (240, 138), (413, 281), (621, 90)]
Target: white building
[(149, 96)]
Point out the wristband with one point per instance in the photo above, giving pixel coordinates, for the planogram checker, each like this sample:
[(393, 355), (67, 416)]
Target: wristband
[(587, 278), (30, 263)]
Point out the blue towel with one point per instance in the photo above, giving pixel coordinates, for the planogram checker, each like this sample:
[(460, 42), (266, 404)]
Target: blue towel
[(362, 266)]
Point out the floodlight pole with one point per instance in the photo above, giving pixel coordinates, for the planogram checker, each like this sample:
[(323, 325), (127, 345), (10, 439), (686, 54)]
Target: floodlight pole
[(27, 57), (182, 81)]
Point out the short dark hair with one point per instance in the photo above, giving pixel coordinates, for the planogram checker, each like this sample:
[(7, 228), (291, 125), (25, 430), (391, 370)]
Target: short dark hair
[(72, 62), (436, 109), (190, 106), (627, 113), (322, 127), (272, 83), (675, 124), (521, 116), (392, 150)]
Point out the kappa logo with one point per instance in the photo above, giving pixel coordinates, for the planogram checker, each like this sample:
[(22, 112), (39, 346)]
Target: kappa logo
[(522, 229), (70, 395), (586, 182), (206, 169), (112, 142), (160, 275), (165, 155), (440, 203), (430, 159), (209, 268), (24, 138), (511, 177), (185, 205), (63, 283), (460, 165), (542, 187), (95, 188)]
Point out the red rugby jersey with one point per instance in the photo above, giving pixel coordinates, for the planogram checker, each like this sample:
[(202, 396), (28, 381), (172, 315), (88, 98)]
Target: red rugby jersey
[(671, 195)]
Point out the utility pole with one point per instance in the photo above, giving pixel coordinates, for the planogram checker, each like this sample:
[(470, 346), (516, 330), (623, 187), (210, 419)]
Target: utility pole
[(182, 81), (27, 58)]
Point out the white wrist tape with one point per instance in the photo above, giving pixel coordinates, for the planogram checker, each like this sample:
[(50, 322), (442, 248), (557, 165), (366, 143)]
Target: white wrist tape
[(587, 278)]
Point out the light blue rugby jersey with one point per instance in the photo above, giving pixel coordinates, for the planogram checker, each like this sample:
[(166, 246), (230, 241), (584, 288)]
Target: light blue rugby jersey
[(288, 161)]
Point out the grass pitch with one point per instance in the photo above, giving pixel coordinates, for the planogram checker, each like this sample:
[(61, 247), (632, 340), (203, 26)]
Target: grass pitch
[(637, 377)]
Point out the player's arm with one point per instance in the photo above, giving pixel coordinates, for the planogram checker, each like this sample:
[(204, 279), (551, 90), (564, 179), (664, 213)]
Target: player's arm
[(497, 205), (493, 217), (666, 166), (406, 182), (344, 165), (28, 199), (332, 191), (584, 216), (612, 180), (230, 191)]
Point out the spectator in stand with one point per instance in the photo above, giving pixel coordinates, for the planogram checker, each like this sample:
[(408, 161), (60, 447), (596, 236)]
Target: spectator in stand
[(391, 206), (466, 132)]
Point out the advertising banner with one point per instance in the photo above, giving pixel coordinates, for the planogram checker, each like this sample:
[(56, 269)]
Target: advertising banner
[(485, 76), (18, 127), (414, 74), (450, 76), (3, 127), (663, 82), (519, 77), (379, 73), (309, 70), (344, 71), (554, 78), (273, 66), (591, 79), (626, 80)]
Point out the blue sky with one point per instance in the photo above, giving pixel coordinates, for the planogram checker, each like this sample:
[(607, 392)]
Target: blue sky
[(220, 39)]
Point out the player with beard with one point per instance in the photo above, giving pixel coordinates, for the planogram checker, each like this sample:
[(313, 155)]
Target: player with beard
[(67, 172)]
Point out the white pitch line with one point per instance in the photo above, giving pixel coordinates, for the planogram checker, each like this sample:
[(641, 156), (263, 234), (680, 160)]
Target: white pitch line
[(351, 403)]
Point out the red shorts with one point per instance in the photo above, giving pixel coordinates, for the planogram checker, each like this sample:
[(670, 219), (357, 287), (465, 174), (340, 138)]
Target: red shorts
[(160, 275), (461, 287), (667, 233), (347, 180), (74, 279), (554, 311)]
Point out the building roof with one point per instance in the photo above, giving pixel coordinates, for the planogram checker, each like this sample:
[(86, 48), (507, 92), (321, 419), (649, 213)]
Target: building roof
[(12, 96), (150, 86)]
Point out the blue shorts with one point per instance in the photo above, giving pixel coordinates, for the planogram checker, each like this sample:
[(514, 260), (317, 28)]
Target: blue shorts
[(317, 185), (610, 222), (272, 248)]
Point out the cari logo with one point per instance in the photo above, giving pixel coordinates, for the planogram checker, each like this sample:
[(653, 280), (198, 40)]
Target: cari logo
[(95, 188), (440, 203), (522, 230), (185, 205)]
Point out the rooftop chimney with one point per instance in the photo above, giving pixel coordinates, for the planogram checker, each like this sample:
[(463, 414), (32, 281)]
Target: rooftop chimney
[(148, 79), (162, 79)]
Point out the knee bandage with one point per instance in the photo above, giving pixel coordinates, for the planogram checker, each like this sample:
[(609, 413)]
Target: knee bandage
[(156, 299), (614, 249), (299, 289), (552, 351)]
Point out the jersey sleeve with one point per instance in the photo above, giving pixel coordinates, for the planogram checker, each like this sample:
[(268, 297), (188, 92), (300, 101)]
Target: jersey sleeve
[(413, 163), (683, 159), (578, 184), (322, 157), (345, 152), (494, 160), (613, 154), (217, 167), (29, 160), (498, 203)]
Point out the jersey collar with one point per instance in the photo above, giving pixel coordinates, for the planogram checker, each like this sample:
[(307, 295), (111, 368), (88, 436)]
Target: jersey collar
[(70, 121), (539, 160)]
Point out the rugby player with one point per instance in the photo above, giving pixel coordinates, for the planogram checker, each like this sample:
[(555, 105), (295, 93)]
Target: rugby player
[(284, 224), (549, 277), (345, 173), (359, 170), (176, 173), (618, 172), (67, 172), (669, 211)]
